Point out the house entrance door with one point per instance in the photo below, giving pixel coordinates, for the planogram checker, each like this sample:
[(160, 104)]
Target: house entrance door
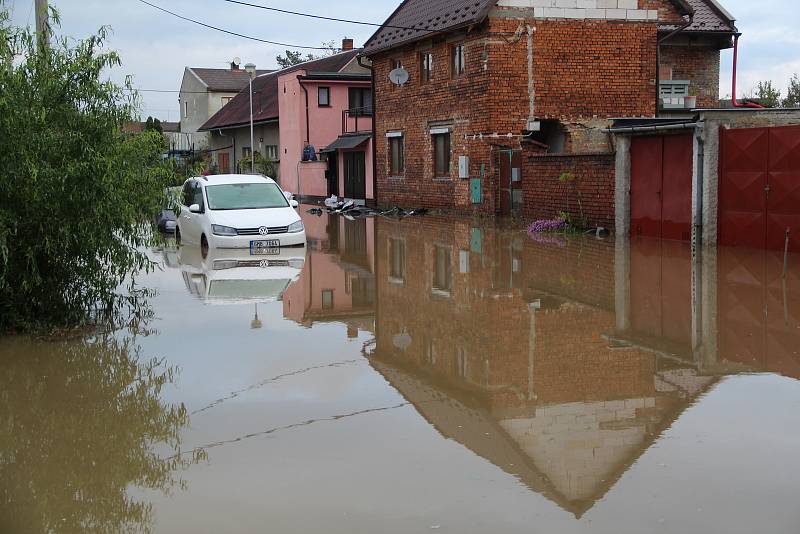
[(355, 175)]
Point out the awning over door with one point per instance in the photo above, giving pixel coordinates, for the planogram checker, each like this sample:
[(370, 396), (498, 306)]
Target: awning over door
[(345, 142)]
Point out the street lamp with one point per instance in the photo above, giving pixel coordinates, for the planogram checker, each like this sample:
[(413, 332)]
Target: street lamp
[(251, 70)]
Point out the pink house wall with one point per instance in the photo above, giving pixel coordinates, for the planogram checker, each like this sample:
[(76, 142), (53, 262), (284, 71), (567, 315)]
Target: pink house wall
[(325, 125)]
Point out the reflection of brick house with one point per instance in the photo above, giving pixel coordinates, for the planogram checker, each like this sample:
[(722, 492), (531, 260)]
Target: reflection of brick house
[(499, 357), (491, 78)]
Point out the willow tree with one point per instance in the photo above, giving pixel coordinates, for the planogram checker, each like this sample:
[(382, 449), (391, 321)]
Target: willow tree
[(75, 188)]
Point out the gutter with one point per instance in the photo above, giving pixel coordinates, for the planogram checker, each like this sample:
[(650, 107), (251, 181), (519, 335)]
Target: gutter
[(643, 129)]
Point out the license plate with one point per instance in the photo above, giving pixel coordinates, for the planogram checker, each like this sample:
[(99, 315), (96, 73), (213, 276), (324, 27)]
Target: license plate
[(271, 247)]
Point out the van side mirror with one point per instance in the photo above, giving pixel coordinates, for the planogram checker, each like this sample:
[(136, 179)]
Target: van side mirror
[(295, 204), (195, 208)]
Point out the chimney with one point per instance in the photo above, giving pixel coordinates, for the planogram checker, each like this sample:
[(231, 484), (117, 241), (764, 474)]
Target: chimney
[(347, 44), (234, 66)]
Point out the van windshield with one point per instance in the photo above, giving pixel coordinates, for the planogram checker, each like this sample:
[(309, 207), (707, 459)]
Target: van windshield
[(245, 197)]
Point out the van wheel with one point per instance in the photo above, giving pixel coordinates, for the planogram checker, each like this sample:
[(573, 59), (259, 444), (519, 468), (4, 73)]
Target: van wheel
[(204, 247), (178, 236)]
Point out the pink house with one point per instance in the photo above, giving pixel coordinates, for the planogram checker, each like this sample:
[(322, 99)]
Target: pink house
[(325, 104)]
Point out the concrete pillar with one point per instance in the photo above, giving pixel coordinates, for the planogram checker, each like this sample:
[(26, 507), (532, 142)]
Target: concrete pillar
[(710, 183), (622, 282), (622, 186), (708, 352)]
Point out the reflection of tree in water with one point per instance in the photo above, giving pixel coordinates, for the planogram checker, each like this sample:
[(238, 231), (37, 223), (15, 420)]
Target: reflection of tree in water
[(79, 425)]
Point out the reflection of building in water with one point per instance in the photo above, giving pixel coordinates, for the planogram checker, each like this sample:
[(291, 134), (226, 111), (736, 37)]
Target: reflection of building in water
[(337, 283), (539, 357)]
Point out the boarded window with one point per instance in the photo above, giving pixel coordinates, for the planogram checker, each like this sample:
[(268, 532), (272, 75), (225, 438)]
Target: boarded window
[(459, 64), (426, 66), (441, 153), (397, 156)]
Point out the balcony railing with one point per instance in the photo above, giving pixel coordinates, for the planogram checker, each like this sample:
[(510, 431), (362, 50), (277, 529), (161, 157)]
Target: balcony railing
[(674, 94), (356, 120)]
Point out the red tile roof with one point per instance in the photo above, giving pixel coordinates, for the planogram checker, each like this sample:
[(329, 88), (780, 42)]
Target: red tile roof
[(265, 93), (417, 19)]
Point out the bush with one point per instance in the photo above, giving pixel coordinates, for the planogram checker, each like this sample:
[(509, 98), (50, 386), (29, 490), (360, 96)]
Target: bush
[(76, 190)]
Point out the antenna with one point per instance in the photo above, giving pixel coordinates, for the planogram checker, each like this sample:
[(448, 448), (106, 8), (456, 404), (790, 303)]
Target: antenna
[(237, 61)]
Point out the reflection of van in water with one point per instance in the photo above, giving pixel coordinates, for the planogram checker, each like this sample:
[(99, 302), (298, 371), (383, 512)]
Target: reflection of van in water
[(231, 277)]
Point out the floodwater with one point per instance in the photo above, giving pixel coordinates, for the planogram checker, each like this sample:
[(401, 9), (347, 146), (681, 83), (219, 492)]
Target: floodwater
[(421, 375)]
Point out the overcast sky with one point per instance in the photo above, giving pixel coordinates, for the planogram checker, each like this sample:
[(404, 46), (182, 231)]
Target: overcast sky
[(155, 47)]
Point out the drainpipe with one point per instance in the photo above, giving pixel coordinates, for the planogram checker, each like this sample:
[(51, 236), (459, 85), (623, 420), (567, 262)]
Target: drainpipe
[(531, 87), (308, 129), (374, 131), (698, 216), (734, 102), (658, 58), (233, 138)]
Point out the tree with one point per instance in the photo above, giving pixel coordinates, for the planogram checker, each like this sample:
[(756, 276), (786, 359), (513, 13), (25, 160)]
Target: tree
[(291, 58), (76, 190), (153, 125), (792, 99), (766, 94)]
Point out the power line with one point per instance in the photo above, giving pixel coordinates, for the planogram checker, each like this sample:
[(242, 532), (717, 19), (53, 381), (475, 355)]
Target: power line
[(234, 33), (309, 15)]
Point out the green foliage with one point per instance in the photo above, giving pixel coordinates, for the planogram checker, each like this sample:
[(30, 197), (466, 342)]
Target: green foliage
[(766, 94), (76, 191), (153, 125), (792, 99), (83, 424), (290, 58), (263, 165)]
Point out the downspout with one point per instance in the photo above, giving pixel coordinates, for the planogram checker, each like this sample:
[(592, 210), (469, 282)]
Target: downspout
[(531, 86), (698, 216), (658, 58), (374, 131), (734, 102), (233, 138), (308, 128)]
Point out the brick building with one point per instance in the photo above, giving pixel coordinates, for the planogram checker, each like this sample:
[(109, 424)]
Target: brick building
[(505, 96)]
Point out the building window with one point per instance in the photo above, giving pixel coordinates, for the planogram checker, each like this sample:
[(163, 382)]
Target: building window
[(360, 101), (426, 66), (443, 269), (246, 152), (458, 61), (186, 109), (271, 152), (226, 100), (327, 299), (441, 155), (397, 260), (397, 155), (324, 97), (397, 63)]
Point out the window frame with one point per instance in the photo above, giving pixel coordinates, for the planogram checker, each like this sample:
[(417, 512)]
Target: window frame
[(331, 305), (442, 257), (225, 100), (448, 154), (360, 110), (327, 92), (426, 66), (458, 60), (397, 141), (397, 258)]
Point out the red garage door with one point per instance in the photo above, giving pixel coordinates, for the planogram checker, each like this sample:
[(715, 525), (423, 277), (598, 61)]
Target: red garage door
[(759, 187), (661, 186)]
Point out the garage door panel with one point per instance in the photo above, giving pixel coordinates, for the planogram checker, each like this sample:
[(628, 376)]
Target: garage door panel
[(743, 229), (743, 191), (776, 232), (676, 212), (784, 148), (646, 178), (745, 149)]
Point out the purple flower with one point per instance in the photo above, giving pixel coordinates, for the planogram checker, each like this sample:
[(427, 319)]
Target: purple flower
[(553, 225)]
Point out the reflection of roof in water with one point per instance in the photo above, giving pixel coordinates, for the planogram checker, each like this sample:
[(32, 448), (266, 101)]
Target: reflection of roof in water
[(540, 457)]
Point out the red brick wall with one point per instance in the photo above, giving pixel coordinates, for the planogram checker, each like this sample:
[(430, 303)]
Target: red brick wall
[(545, 195), (594, 68), (700, 65)]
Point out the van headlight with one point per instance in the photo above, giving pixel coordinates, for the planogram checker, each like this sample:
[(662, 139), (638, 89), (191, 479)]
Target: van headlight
[(223, 230), (296, 227)]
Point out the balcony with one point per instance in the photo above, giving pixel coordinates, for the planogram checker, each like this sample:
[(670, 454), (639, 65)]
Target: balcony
[(357, 120), (674, 95)]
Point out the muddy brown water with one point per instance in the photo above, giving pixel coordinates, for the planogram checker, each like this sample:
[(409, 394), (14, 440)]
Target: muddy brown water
[(416, 376)]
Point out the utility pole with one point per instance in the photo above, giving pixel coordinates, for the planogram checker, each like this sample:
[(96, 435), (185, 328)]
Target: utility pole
[(41, 22)]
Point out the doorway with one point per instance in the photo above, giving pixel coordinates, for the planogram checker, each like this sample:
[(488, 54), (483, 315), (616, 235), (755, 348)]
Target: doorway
[(355, 175)]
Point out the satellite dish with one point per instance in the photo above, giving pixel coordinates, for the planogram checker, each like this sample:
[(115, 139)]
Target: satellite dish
[(399, 76), (237, 61)]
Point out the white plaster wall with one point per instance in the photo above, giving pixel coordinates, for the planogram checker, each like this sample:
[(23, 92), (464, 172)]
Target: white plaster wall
[(584, 9)]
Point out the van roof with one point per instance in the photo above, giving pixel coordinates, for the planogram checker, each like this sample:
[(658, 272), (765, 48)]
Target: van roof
[(228, 179)]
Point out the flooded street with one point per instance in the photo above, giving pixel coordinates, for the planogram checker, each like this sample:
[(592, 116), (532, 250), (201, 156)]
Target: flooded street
[(421, 375)]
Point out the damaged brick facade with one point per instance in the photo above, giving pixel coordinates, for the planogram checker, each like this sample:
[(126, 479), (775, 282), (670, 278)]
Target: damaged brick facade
[(571, 75)]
